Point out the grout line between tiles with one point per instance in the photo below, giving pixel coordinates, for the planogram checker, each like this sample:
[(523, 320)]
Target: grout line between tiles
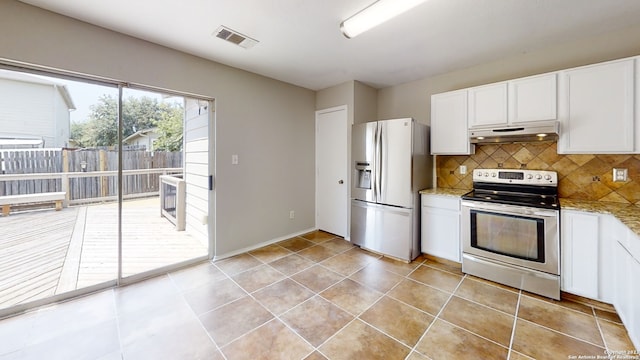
[(484, 306), (561, 333), (259, 303), (278, 317), (425, 263), (472, 333), (604, 340), (459, 327), (493, 284), (115, 308), (357, 317), (203, 327), (316, 294), (558, 304), (513, 330), (426, 331)]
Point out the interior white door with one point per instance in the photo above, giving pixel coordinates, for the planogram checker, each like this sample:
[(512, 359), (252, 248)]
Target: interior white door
[(332, 168)]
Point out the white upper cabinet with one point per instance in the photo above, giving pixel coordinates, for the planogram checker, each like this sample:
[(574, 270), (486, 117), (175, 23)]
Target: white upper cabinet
[(514, 102), (597, 109), (449, 134), (533, 98), (488, 105)]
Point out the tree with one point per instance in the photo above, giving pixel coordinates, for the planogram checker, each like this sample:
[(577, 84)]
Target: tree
[(101, 128), (171, 130)]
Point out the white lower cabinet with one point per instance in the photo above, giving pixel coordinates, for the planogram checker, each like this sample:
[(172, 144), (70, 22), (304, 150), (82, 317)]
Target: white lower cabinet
[(622, 294), (579, 244), (601, 261), (634, 315), (626, 289), (611, 231), (440, 226)]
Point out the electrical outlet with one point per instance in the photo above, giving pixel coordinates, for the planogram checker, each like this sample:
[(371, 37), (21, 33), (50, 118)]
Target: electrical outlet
[(463, 169), (292, 214), (234, 159), (619, 174)]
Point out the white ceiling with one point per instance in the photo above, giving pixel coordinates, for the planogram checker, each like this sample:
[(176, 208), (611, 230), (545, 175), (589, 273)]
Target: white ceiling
[(301, 42)]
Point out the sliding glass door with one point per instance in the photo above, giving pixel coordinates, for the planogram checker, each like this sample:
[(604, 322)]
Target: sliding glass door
[(164, 182), (58, 163), (99, 184)]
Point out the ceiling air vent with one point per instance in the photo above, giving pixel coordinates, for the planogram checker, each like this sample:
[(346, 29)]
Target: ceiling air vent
[(235, 37)]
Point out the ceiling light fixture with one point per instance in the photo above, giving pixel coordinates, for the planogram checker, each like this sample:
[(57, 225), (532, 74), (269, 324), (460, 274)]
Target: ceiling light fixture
[(374, 15)]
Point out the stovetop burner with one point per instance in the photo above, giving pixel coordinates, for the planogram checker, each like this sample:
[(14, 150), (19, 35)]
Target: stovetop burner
[(539, 201), (532, 188)]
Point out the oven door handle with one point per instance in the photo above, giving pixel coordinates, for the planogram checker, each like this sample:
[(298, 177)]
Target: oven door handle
[(511, 209), (545, 213)]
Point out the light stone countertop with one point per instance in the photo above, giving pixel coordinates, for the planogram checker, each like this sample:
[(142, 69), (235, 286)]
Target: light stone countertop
[(445, 192), (628, 214)]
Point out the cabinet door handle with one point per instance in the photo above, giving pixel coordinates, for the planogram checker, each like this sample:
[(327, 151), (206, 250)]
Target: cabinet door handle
[(340, 182)]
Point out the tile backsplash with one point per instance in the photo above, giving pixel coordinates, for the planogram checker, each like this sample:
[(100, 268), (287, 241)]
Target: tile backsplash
[(581, 177)]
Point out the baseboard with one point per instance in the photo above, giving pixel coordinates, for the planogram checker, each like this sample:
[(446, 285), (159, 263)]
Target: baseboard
[(262, 244), (451, 263), (586, 301)]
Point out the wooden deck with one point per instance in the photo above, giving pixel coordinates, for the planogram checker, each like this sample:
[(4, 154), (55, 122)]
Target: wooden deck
[(43, 253)]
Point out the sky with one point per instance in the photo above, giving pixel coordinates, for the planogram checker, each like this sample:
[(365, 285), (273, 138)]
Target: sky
[(85, 94)]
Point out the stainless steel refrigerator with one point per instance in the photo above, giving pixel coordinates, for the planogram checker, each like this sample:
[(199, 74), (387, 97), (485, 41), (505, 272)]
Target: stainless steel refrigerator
[(391, 164)]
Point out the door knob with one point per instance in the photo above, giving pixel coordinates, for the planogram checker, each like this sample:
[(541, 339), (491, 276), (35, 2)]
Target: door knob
[(340, 182)]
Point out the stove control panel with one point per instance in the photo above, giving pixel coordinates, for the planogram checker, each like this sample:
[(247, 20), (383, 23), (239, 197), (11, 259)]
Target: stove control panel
[(524, 177)]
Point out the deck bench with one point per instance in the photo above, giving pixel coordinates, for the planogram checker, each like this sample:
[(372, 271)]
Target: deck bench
[(49, 197)]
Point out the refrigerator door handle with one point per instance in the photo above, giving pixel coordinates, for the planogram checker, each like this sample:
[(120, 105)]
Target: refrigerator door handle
[(379, 163), (375, 169)]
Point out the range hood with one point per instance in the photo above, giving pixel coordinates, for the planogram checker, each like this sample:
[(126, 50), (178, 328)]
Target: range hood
[(516, 134)]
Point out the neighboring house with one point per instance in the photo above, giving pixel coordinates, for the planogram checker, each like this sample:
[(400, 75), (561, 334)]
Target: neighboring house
[(34, 112), (142, 139)]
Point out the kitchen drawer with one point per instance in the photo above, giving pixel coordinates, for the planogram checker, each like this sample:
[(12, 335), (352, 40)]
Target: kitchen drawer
[(441, 202)]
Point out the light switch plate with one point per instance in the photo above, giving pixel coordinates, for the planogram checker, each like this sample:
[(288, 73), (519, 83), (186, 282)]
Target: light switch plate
[(619, 174)]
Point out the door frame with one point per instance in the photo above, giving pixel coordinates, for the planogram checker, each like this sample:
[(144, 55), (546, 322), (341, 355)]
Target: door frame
[(211, 218), (349, 124), (119, 281)]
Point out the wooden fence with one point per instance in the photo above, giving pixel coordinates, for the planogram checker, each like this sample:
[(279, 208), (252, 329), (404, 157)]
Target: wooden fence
[(103, 163)]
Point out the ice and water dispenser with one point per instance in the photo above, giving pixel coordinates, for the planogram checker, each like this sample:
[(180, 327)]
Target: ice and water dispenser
[(363, 175)]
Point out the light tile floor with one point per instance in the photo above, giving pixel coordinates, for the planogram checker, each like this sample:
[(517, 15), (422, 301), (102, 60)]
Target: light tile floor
[(313, 297)]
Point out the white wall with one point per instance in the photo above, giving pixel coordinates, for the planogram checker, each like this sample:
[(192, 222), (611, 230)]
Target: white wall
[(27, 110), (268, 123), (337, 95), (62, 119), (360, 99), (365, 99)]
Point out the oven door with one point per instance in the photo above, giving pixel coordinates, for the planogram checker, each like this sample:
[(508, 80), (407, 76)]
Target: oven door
[(517, 235)]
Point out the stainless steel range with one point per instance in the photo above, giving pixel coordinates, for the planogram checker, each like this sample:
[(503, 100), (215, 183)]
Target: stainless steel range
[(510, 229)]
